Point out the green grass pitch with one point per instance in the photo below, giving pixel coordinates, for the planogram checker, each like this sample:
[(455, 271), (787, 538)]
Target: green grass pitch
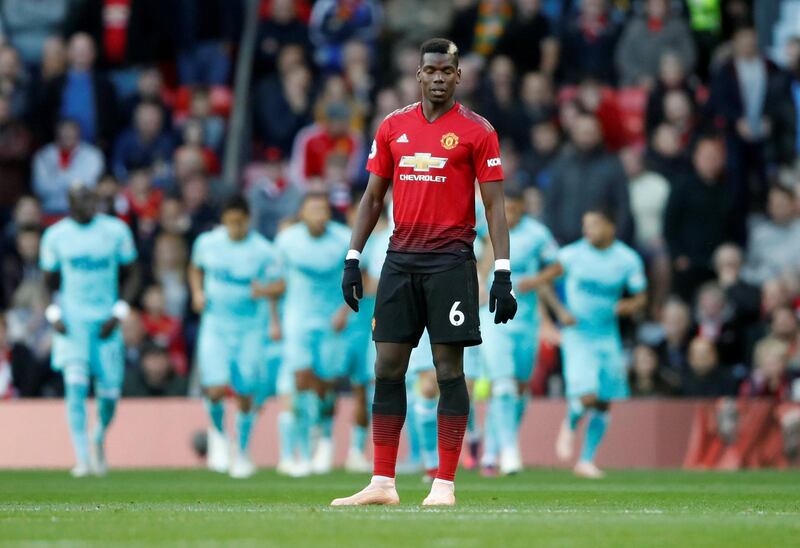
[(536, 508)]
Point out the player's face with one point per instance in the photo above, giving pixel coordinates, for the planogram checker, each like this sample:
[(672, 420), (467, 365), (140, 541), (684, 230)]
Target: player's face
[(515, 208), (83, 204), (237, 223), (315, 214), (438, 76), (598, 230)]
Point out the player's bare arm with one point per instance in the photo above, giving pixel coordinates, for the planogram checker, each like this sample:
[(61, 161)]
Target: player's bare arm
[(52, 281), (195, 276), (130, 282), (272, 290), (369, 211), (630, 306)]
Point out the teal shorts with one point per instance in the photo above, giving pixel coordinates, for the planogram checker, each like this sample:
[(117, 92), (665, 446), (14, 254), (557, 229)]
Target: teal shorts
[(317, 349), (82, 354), (355, 354), (231, 357), (593, 365), (508, 350), (270, 370)]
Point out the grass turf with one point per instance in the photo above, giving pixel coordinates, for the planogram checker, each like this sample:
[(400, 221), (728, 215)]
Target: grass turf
[(540, 507)]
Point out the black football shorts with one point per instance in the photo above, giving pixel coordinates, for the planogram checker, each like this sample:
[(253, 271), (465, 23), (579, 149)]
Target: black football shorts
[(446, 303)]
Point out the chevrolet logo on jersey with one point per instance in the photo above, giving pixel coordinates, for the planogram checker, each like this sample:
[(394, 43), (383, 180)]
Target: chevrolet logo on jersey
[(422, 162)]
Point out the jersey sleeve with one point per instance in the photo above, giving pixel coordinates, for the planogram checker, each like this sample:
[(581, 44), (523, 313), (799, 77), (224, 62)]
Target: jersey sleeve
[(48, 253), (565, 256), (126, 251), (380, 160), (486, 158), (636, 281), (548, 251)]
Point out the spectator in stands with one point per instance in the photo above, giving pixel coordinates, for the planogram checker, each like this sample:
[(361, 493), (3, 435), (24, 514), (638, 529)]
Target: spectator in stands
[(672, 76), (785, 327), (30, 337), (714, 316), (279, 28), (173, 218), (336, 22), (667, 155), (144, 200), (544, 150), (27, 213), (149, 88), (128, 34), (679, 113), (196, 195), (204, 34), (706, 378), (155, 377), (15, 83), (54, 60), (163, 329), (135, 338), (22, 263), (588, 42), (751, 96), (194, 154), (7, 389), (498, 101), (414, 21), (585, 176), (282, 103), (170, 260), (213, 125), (600, 102), (743, 298), (698, 218), (773, 245), (59, 164), (644, 378), (315, 143), (82, 94), (672, 341), (357, 72), (272, 198), (147, 142), (649, 192), (770, 377), (536, 104), (27, 25), (646, 38), (16, 148), (528, 39)]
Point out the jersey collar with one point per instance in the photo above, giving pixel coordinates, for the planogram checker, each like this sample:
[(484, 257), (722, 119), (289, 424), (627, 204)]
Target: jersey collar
[(421, 115)]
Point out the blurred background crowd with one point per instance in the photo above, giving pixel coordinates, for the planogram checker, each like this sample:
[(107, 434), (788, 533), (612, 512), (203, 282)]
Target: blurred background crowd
[(682, 113)]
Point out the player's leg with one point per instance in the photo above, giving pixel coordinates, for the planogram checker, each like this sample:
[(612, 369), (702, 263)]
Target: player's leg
[(245, 377), (300, 348), (71, 356), (362, 379), (581, 375), (286, 419), (331, 364), (388, 416), (472, 373), (524, 356), (214, 355), (108, 366)]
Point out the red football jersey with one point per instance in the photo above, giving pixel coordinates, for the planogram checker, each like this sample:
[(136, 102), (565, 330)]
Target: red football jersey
[(433, 167)]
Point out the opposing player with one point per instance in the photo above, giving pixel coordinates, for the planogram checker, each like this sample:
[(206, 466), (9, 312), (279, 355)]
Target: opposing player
[(232, 272), (431, 152), (313, 321), (86, 257), (598, 271), (509, 351)]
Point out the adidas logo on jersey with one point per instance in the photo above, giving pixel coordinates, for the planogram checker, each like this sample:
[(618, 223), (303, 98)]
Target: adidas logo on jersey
[(403, 138)]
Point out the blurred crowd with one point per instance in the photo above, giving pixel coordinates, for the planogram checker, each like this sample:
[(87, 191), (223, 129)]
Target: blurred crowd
[(682, 114)]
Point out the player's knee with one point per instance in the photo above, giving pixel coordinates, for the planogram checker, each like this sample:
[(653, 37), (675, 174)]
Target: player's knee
[(215, 393), (505, 386), (428, 388), (589, 400), (304, 380), (245, 403), (390, 370), (447, 370)]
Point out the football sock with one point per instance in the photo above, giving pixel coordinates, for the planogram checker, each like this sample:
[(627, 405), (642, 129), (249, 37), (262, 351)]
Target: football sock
[(453, 413), (414, 443), (388, 415), (358, 438), (425, 417), (595, 430), (576, 411), (307, 414), (216, 411), (244, 426), (490, 438), (105, 413), (286, 424), (75, 396)]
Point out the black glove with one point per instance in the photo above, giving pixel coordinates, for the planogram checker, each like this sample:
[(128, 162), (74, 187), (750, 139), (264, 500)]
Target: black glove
[(352, 288), (501, 297)]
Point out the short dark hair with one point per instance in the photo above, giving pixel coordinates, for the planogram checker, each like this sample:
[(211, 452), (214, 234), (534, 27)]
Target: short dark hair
[(439, 45), (605, 210), (236, 202)]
